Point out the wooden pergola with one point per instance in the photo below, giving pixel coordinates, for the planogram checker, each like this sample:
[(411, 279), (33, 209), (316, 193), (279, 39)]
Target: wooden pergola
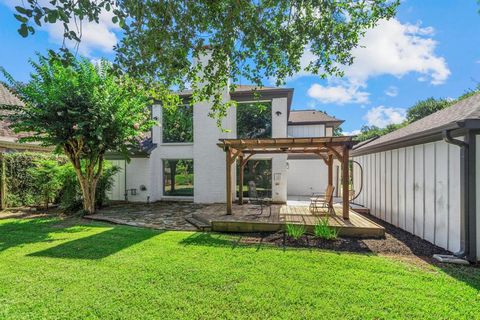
[(327, 148)]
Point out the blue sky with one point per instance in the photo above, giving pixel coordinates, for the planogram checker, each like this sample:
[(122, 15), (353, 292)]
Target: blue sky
[(430, 49)]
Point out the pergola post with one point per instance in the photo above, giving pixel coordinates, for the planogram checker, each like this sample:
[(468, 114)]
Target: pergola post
[(240, 180), (330, 173), (345, 183), (228, 154)]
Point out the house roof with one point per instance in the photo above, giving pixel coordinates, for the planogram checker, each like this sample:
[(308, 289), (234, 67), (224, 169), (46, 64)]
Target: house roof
[(245, 92), (8, 98), (305, 117), (463, 114)]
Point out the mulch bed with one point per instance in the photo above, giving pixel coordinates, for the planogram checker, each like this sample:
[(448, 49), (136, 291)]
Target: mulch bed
[(396, 242)]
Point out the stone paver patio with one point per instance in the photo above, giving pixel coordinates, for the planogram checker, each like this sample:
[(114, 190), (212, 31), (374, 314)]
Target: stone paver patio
[(158, 215)]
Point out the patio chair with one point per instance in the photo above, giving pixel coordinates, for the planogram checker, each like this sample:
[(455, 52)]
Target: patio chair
[(319, 202), (255, 199)]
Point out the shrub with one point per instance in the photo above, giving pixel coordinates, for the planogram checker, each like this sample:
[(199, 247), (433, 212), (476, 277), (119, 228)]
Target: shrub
[(22, 189), (39, 178), (46, 180), (71, 194), (296, 231), (324, 231)]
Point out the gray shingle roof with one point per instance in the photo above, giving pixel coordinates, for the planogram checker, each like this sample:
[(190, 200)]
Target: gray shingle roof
[(310, 117), (448, 118), (8, 98)]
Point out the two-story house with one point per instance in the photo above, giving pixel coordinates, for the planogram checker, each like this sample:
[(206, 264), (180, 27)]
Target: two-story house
[(183, 161)]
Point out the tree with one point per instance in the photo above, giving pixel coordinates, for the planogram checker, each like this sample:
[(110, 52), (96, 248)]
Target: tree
[(426, 107), (369, 132), (83, 110), (249, 39)]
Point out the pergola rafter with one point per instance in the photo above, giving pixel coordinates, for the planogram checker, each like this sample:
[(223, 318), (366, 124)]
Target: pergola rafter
[(327, 148)]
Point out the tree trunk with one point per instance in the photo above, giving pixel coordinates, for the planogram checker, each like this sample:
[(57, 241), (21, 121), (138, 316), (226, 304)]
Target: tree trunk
[(173, 173), (88, 177)]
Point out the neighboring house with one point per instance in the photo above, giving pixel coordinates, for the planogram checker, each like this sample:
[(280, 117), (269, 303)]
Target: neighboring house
[(8, 138), (424, 178), (188, 164), (307, 173)]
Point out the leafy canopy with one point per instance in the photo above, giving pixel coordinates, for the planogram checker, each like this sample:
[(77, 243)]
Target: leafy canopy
[(82, 109), (248, 40), (80, 105)]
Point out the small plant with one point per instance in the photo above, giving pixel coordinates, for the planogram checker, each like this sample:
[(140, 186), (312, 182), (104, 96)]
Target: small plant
[(295, 231), (324, 231)]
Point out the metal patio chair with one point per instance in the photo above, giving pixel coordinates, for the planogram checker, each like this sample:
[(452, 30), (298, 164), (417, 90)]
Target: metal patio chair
[(255, 199), (320, 202)]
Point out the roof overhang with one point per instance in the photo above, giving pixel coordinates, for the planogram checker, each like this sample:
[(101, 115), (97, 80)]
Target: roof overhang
[(457, 129)]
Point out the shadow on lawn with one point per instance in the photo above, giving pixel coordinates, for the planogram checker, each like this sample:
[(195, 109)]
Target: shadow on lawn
[(26, 231), (99, 245), (212, 240)]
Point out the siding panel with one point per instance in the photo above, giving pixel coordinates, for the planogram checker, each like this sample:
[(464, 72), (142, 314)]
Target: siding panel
[(454, 199), (429, 192), (402, 195), (419, 195), (395, 191), (388, 186), (409, 189), (441, 194)]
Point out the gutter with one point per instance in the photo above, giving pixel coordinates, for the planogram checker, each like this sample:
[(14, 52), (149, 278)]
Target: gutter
[(468, 243)]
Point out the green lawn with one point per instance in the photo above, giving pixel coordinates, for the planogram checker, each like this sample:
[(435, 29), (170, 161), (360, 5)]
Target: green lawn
[(53, 269)]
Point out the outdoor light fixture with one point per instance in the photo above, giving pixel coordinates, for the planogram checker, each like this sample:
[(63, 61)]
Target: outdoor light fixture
[(278, 113)]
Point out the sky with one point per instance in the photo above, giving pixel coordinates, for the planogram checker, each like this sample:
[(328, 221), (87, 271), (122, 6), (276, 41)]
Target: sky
[(430, 49)]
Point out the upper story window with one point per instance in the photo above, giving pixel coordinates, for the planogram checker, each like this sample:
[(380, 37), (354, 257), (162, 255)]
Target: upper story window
[(177, 124), (254, 120)]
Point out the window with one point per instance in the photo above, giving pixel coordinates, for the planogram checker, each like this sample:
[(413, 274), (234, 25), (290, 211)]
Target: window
[(254, 120), (178, 177), (260, 172), (178, 124)]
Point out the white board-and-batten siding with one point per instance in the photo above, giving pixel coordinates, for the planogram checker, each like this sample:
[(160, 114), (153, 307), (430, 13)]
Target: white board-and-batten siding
[(416, 188)]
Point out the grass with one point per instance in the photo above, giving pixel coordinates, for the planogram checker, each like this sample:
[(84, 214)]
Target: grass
[(63, 270), (324, 231), (295, 231)]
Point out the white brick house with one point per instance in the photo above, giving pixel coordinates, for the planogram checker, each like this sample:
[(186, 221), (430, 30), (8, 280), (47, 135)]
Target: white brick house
[(146, 177)]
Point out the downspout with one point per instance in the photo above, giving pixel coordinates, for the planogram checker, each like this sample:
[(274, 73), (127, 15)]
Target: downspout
[(467, 191)]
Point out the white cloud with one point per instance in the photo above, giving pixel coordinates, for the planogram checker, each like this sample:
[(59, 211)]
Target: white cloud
[(351, 133), (391, 48), (382, 116), (391, 91), (397, 49), (95, 36), (337, 94)]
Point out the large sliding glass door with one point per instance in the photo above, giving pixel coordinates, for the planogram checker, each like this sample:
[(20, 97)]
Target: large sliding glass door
[(178, 177), (260, 172)]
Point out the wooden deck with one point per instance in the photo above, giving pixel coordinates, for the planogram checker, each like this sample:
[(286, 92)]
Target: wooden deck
[(246, 218)]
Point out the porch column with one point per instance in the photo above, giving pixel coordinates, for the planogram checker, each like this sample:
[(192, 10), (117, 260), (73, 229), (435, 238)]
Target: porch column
[(345, 184), (240, 180), (228, 154)]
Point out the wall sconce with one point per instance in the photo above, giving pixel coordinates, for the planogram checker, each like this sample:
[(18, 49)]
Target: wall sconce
[(278, 113)]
